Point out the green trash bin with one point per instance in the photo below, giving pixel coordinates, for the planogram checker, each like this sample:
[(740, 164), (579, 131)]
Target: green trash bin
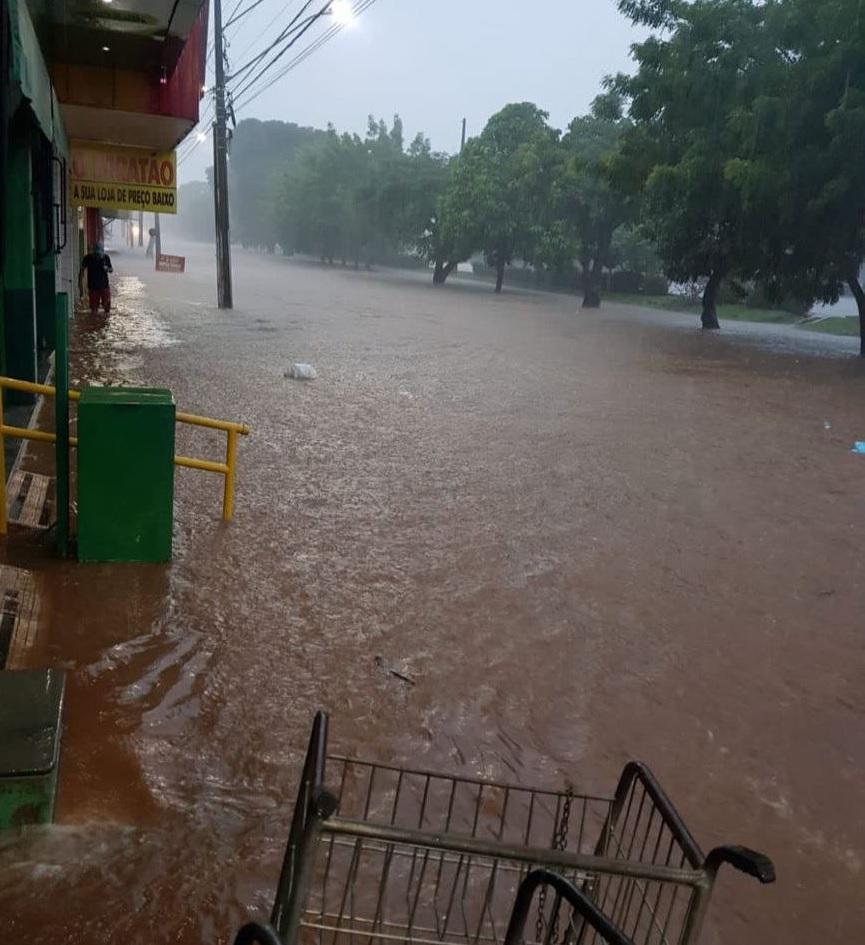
[(125, 474), (31, 711)]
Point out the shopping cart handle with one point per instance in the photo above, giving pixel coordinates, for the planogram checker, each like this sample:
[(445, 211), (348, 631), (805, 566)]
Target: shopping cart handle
[(746, 861)]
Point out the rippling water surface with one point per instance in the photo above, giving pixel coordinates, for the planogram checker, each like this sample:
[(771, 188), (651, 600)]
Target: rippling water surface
[(583, 538)]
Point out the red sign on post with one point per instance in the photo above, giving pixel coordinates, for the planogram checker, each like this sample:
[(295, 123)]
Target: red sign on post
[(165, 263)]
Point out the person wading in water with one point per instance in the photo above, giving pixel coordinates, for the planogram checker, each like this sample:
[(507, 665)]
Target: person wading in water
[(97, 265)]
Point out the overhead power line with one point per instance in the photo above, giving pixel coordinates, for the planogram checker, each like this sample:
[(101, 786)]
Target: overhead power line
[(248, 92), (188, 152), (299, 32), (235, 17), (252, 94), (238, 16), (265, 30), (189, 146), (233, 13), (285, 34)]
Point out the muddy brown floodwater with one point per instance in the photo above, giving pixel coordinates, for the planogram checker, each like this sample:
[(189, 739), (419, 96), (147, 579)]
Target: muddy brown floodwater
[(585, 537)]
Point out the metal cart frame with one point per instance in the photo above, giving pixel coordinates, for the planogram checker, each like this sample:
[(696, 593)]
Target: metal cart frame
[(584, 915), (398, 855)]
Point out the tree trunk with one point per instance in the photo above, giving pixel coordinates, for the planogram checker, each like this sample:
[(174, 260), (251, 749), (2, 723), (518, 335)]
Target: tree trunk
[(709, 316), (500, 275), (442, 271), (591, 296), (859, 295)]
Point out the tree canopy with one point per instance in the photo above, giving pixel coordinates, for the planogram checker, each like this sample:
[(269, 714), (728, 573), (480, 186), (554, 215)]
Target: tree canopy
[(260, 152), (585, 210), (522, 190), (519, 191), (691, 84), (808, 128), (357, 199), (748, 141), (733, 151)]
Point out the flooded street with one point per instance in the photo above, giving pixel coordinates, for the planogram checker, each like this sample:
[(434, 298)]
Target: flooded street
[(583, 537)]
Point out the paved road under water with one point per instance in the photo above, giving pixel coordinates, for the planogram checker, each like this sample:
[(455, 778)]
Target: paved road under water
[(584, 537)]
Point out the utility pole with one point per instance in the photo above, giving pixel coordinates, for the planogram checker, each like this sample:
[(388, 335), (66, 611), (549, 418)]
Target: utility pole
[(463, 141), (220, 168)]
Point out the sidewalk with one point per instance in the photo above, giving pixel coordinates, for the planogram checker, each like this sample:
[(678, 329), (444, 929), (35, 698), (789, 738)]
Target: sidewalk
[(100, 349), (104, 350)]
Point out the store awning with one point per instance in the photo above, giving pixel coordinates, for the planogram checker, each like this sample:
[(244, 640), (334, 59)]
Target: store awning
[(126, 72), (29, 73)]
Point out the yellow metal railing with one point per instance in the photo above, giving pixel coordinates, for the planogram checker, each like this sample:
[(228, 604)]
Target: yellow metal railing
[(226, 469)]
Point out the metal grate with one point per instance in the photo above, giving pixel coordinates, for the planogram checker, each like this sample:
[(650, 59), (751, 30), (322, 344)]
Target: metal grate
[(19, 615), (31, 500)]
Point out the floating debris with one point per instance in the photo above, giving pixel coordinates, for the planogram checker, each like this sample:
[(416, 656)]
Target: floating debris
[(301, 372), (379, 661)]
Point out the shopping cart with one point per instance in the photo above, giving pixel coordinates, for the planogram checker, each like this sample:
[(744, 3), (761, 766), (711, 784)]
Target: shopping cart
[(571, 915), (397, 855)]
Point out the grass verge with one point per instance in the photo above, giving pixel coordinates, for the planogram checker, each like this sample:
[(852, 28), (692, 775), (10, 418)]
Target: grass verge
[(849, 327), (676, 303)]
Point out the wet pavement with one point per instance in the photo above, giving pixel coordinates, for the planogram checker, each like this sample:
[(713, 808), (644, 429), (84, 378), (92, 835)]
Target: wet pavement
[(585, 537)]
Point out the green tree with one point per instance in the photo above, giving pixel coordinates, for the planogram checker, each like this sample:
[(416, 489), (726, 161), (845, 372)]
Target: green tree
[(807, 130), (313, 211), (454, 230), (261, 151), (495, 200), (401, 189), (631, 251), (360, 199), (425, 174), (693, 81), (585, 210)]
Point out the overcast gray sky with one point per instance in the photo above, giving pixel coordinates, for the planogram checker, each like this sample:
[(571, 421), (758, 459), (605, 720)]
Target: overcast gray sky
[(433, 62)]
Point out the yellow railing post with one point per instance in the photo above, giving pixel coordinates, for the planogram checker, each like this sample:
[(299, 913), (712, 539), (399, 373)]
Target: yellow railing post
[(226, 469), (230, 461)]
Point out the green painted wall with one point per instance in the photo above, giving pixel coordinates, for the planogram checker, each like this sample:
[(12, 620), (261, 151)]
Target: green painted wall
[(19, 290), (61, 412), (46, 307)]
